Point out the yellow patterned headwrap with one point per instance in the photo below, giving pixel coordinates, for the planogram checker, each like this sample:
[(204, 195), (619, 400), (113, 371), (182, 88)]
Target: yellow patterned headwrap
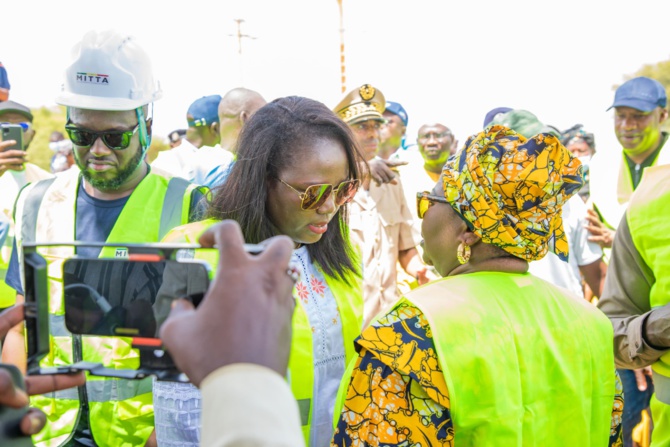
[(511, 189)]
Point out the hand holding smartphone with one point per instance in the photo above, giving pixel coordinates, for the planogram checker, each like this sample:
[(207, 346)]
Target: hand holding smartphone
[(12, 132), (12, 155)]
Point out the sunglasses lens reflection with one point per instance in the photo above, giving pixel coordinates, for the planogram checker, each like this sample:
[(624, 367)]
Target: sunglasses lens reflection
[(80, 137), (113, 140), (422, 205), (346, 192), (315, 196), (116, 140)]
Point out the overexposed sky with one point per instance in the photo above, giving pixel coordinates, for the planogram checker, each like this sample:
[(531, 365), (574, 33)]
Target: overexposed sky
[(446, 61)]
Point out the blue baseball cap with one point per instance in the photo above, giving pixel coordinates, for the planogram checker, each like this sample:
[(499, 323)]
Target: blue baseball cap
[(204, 111), (492, 114), (396, 109), (641, 93)]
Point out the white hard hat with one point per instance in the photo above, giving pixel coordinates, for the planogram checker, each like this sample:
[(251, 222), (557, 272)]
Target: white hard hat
[(110, 72)]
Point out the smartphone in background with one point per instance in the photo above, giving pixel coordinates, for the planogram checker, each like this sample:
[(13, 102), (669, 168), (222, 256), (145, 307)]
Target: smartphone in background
[(12, 132)]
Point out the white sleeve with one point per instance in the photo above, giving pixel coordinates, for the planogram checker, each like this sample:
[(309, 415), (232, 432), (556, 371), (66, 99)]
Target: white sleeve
[(585, 252), (247, 405)]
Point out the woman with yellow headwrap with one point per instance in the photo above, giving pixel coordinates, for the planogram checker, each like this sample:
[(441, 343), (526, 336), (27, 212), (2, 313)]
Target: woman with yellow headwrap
[(489, 355)]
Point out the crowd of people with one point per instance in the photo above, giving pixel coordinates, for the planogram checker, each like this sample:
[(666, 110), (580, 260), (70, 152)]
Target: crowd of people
[(503, 291)]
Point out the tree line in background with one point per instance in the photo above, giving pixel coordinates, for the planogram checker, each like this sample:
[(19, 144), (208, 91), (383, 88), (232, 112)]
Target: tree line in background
[(47, 120)]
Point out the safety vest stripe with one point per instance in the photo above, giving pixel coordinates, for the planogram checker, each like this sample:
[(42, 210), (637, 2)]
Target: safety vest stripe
[(304, 406), (117, 389), (57, 326), (107, 390), (31, 209), (68, 394), (171, 215)]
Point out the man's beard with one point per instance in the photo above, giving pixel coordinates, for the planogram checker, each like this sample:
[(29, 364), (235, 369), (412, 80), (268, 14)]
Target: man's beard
[(115, 183)]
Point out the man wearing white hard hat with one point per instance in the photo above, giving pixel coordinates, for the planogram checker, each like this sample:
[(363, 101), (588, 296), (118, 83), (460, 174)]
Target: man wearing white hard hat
[(113, 197)]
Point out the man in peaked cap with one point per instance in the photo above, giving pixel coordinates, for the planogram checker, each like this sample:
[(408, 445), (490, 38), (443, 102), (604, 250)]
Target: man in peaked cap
[(380, 220)]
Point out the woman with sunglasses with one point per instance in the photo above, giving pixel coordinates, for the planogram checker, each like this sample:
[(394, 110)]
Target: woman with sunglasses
[(489, 355), (296, 169)]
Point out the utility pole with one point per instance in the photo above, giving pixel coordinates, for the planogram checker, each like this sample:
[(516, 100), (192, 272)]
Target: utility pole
[(343, 78), (240, 36)]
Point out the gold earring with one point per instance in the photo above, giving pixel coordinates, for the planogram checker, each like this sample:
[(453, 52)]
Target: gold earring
[(463, 253)]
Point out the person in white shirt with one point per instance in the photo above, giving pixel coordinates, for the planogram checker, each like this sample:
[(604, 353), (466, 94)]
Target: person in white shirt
[(203, 132)]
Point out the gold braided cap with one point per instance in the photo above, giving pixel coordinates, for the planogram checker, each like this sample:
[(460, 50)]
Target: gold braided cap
[(362, 104)]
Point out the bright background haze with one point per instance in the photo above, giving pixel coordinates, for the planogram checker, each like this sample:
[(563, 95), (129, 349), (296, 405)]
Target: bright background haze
[(445, 61)]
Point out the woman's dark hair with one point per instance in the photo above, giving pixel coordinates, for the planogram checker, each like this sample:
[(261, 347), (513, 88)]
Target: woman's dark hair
[(272, 140)]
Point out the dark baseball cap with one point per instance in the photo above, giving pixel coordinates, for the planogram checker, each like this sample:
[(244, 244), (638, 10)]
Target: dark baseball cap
[(11, 106), (204, 111), (397, 109), (492, 114), (641, 93)]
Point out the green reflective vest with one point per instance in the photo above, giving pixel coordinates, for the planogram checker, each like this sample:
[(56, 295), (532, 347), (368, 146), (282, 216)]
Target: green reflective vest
[(7, 294), (525, 364), (120, 411), (349, 299), (611, 199), (11, 183), (649, 226)]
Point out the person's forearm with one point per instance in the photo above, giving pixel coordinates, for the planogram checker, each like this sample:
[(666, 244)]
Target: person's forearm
[(14, 346), (638, 329), (13, 349), (410, 261), (633, 348), (594, 275)]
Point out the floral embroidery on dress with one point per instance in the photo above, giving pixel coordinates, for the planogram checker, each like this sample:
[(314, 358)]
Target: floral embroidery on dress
[(318, 286), (303, 293)]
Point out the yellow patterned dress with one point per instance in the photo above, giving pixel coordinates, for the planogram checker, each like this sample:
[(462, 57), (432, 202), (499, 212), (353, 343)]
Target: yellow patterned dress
[(397, 395)]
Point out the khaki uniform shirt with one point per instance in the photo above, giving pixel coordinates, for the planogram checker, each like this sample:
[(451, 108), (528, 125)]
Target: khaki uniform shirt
[(381, 225)]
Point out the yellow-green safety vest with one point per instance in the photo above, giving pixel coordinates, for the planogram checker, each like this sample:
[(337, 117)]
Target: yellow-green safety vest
[(11, 183), (120, 411), (349, 297), (524, 363), (611, 199), (7, 294), (650, 232)]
